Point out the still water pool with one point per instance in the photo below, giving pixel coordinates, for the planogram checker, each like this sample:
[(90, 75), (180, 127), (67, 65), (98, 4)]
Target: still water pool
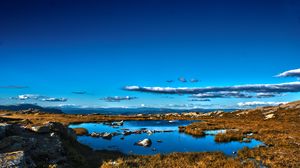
[(162, 142)]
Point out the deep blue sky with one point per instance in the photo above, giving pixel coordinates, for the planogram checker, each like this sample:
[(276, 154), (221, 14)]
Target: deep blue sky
[(55, 47)]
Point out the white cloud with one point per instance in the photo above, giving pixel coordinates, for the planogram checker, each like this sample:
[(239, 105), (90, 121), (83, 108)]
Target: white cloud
[(117, 98), (68, 105), (290, 73), (182, 79), (39, 97), (53, 99), (27, 97), (197, 99), (259, 103), (267, 95), (251, 88), (222, 94)]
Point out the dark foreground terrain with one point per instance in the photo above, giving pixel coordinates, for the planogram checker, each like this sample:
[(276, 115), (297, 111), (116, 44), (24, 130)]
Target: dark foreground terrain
[(38, 139)]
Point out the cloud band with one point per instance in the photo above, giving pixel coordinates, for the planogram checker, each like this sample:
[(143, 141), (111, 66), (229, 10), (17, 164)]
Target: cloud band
[(254, 88)]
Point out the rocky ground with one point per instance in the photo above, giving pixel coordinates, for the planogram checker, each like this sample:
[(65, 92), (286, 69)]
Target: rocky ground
[(37, 139), (34, 146)]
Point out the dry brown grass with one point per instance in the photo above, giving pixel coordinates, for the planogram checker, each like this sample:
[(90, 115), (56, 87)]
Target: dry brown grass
[(179, 160), (228, 136), (281, 135), (66, 119), (192, 130)]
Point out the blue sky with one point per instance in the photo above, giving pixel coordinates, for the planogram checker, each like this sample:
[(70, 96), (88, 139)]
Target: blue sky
[(55, 48)]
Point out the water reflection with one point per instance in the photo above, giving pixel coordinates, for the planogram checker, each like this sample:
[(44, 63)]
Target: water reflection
[(162, 142)]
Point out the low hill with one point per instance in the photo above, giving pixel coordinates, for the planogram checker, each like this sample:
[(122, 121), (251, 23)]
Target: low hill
[(28, 107)]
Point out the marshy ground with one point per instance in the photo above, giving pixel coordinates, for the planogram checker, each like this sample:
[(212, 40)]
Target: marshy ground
[(278, 127)]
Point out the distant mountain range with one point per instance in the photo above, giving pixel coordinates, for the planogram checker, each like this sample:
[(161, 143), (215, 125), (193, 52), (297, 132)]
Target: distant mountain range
[(20, 107), (142, 110), (116, 111)]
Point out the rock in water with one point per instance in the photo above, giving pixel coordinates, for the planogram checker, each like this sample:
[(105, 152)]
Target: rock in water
[(120, 123), (146, 142), (12, 159), (107, 135), (149, 132)]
